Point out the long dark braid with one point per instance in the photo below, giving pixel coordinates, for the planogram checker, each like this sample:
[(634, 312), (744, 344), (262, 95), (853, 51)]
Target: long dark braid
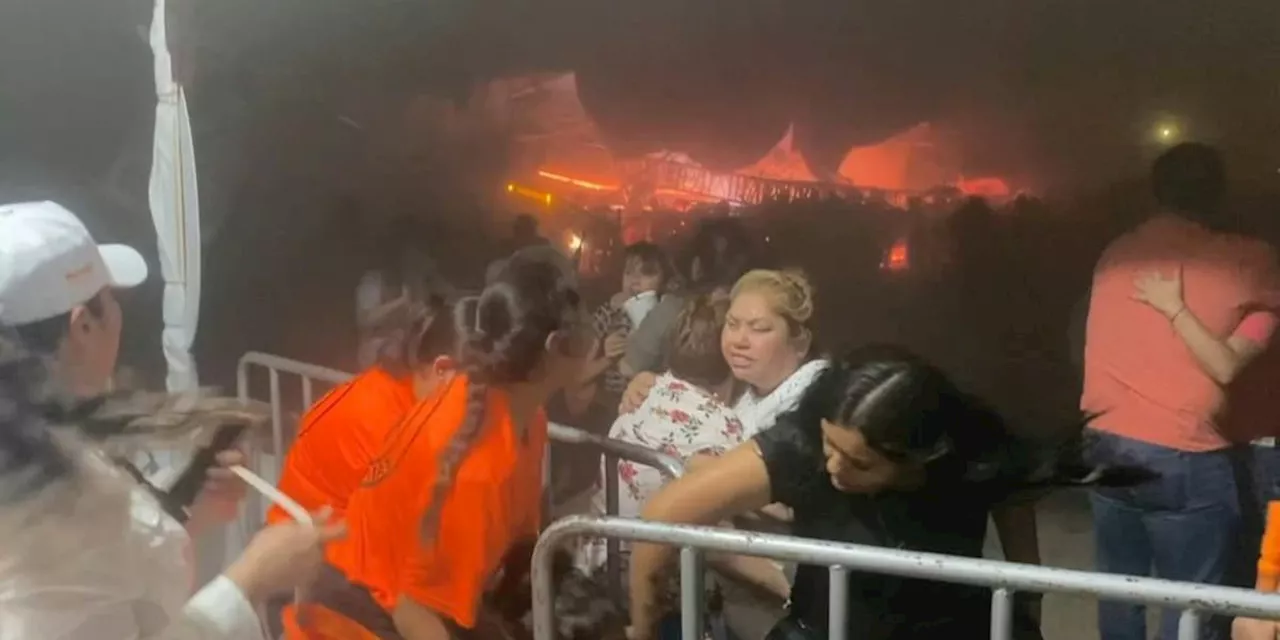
[(503, 334), (477, 391)]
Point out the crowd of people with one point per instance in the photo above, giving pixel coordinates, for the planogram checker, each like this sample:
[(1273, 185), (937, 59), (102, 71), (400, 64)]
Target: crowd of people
[(424, 473)]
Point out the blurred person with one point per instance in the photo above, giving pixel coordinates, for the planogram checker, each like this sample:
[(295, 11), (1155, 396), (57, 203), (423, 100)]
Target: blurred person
[(1178, 307), (404, 276), (455, 495), (716, 257), (1268, 579), (525, 233), (592, 402), (342, 433), (645, 274), (687, 414), (131, 580), (882, 449), (767, 343)]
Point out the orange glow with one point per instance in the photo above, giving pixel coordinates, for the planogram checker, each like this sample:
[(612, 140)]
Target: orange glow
[(899, 256), (984, 187), (529, 193), (585, 184)]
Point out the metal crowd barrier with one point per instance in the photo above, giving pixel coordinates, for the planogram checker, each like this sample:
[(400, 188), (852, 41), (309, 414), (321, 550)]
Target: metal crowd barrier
[(269, 463), (615, 450), (1003, 578)]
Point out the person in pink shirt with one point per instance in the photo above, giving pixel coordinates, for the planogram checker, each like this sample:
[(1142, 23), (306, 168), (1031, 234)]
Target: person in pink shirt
[(1179, 306)]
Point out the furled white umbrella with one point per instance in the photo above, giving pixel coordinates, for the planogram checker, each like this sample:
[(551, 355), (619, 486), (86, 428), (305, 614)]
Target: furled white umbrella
[(175, 211)]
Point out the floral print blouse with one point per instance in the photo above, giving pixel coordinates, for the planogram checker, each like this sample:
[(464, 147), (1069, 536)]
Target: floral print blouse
[(677, 418)]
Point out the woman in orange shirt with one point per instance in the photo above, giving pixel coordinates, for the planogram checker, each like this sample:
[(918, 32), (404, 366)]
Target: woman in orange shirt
[(458, 485), (340, 435)]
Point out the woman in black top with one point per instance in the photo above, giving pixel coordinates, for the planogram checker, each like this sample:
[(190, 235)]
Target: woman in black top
[(882, 450)]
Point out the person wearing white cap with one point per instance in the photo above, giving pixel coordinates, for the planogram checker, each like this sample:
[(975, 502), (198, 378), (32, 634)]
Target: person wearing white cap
[(56, 295)]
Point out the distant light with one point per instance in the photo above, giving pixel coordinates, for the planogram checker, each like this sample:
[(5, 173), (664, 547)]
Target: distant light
[(1167, 130), (899, 257), (577, 182), (510, 188), (575, 242), (548, 198)]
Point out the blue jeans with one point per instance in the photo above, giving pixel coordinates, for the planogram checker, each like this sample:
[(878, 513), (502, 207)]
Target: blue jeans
[(1266, 474), (1184, 526)]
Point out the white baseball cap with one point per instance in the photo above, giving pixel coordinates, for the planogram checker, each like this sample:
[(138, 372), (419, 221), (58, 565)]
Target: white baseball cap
[(49, 264)]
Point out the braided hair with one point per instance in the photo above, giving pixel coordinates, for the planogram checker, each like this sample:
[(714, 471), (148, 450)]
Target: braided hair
[(424, 331), (503, 336)]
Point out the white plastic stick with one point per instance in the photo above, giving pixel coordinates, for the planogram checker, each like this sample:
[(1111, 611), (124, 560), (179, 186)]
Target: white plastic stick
[(290, 507), (273, 494)]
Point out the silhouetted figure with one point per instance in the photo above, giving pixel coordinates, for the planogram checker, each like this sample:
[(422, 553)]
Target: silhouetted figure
[(525, 233), (1178, 307)]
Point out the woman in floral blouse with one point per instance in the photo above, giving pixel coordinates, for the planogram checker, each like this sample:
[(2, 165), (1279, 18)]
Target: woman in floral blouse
[(685, 414)]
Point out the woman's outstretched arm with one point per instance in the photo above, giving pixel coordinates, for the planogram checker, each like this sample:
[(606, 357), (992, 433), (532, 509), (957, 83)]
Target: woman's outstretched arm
[(727, 486)]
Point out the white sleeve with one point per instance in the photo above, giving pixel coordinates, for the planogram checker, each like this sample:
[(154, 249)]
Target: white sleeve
[(218, 612)]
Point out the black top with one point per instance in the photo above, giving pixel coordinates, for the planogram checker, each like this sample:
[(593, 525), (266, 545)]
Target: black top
[(942, 517)]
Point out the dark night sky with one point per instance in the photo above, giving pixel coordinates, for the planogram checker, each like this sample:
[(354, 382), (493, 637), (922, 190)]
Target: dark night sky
[(1055, 90)]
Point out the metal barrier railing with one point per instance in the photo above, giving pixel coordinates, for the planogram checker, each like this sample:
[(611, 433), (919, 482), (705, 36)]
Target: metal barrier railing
[(309, 374), (615, 450), (1004, 578)]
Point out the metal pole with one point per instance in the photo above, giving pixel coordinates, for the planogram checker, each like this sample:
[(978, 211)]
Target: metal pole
[(1001, 614), (692, 590), (548, 505), (838, 603), (1189, 625), (669, 466), (544, 595), (277, 419), (926, 566), (242, 380), (613, 546), (308, 392)]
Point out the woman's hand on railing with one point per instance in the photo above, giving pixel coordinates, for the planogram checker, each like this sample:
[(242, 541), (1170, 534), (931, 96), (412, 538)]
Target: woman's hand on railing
[(772, 515), (637, 390), (1251, 629)]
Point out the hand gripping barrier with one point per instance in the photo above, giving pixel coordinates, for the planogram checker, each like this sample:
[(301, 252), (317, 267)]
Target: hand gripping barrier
[(1003, 578), (268, 463)]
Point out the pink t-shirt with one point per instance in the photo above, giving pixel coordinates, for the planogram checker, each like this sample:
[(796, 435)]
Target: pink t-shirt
[(1139, 376)]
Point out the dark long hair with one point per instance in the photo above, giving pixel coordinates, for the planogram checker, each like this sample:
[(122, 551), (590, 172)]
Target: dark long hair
[(426, 331), (30, 458), (58, 496), (909, 411), (503, 335)]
